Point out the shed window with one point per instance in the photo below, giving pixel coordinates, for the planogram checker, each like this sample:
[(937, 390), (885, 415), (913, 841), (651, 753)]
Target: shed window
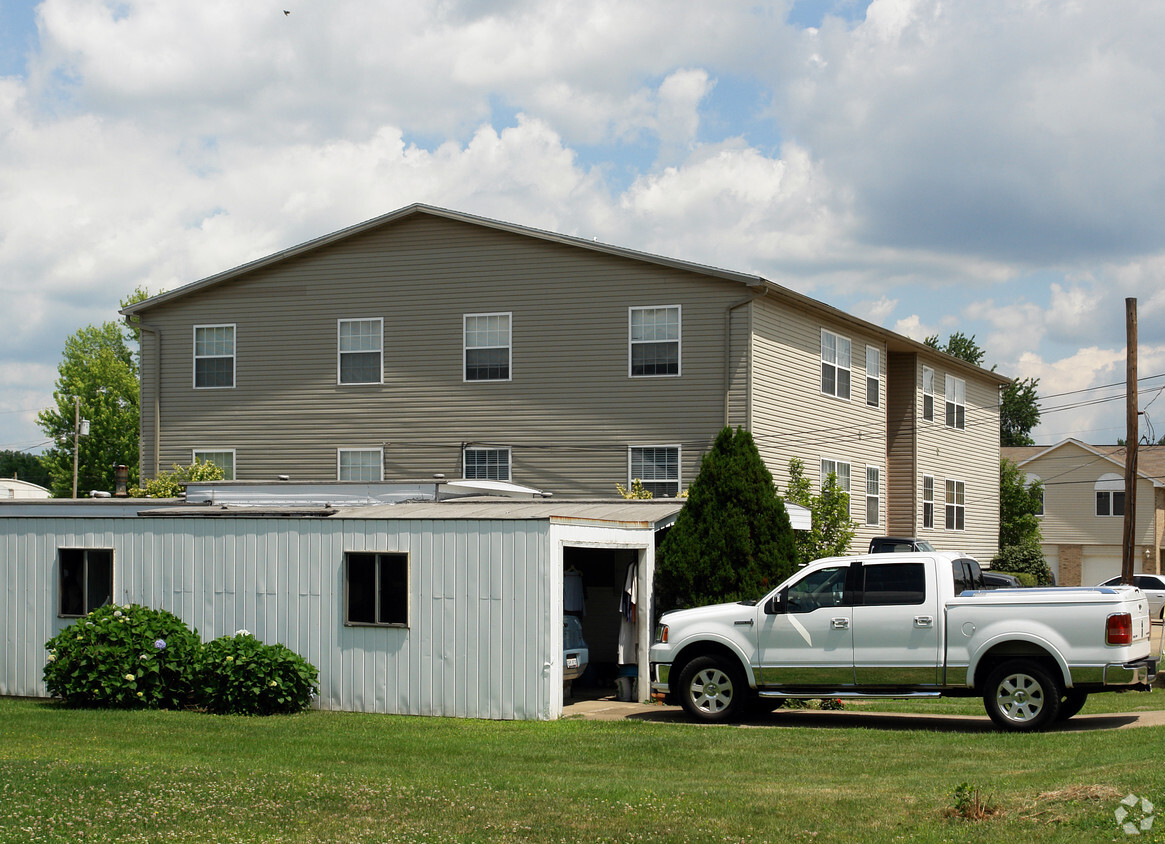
[(655, 341), (86, 580), (214, 356), (376, 589)]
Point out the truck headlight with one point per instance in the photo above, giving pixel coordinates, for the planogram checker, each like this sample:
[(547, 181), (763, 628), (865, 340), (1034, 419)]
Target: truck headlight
[(661, 633)]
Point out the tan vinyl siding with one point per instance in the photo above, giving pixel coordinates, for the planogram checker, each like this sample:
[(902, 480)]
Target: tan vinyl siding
[(970, 455), (568, 414), (791, 417), (903, 413)]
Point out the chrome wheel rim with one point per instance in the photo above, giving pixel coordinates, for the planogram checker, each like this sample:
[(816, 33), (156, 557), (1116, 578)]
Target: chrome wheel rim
[(1020, 697), (711, 690)]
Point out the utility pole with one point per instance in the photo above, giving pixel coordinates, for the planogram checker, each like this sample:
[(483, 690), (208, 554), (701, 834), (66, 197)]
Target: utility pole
[(76, 438), (1132, 440)]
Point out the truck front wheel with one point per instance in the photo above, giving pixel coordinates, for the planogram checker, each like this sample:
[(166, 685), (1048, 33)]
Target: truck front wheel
[(1021, 696), (712, 689)]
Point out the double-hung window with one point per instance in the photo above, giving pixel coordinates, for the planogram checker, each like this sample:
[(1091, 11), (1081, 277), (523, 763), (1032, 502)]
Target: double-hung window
[(956, 505), (840, 472), (214, 356), (86, 580), (657, 468), (873, 495), (360, 464), (928, 501), (487, 347), (835, 364), (873, 375), (1110, 495), (486, 464), (360, 351), (956, 402), (928, 394), (376, 589), (655, 341), (223, 458)]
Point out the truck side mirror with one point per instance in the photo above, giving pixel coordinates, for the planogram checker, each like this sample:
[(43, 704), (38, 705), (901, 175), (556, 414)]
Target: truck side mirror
[(778, 604)]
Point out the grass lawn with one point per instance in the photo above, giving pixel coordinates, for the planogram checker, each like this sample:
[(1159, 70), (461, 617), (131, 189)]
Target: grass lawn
[(77, 775)]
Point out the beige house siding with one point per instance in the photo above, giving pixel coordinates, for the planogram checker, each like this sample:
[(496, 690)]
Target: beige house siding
[(421, 276), (793, 418), (902, 412), (969, 455)]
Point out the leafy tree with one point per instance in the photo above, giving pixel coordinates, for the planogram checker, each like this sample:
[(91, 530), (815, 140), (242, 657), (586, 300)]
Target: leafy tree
[(832, 530), (637, 490), (1020, 504), (98, 372), (24, 466), (732, 540), (170, 484), (1019, 408)]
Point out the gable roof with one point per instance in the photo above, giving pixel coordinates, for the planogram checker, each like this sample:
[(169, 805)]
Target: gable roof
[(759, 285), (1150, 458)]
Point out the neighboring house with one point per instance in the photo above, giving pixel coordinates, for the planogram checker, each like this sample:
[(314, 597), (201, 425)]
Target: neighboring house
[(1084, 506), (430, 342), (13, 488), (475, 631)]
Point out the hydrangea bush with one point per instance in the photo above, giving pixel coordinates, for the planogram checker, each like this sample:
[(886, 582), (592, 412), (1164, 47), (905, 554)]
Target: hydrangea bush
[(242, 676), (123, 657)]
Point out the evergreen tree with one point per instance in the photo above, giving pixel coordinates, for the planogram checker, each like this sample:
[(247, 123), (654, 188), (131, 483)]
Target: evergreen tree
[(732, 540)]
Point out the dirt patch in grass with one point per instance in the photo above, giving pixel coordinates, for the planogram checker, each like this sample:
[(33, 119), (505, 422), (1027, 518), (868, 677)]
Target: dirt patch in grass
[(1057, 806)]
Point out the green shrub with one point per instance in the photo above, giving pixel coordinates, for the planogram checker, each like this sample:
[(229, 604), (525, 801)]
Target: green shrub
[(240, 675), (1027, 559), (123, 657)]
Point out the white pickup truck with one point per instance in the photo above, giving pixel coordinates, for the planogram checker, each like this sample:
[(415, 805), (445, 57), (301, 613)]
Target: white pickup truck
[(907, 625)]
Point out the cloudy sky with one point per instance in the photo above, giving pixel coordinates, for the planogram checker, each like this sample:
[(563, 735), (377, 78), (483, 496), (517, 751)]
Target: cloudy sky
[(990, 166)]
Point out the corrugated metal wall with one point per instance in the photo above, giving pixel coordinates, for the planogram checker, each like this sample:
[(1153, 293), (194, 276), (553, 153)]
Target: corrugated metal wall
[(478, 643)]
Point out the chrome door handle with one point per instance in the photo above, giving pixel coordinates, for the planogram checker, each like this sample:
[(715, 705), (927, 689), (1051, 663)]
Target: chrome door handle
[(839, 623), (923, 621), (747, 623)]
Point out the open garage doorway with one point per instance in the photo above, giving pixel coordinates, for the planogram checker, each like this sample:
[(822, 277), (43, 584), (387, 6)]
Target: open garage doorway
[(600, 590)]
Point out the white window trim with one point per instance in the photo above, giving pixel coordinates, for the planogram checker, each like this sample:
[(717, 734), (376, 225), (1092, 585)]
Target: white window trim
[(950, 382), (929, 501), (948, 504), (194, 452), (379, 452), (877, 496), (848, 490), (379, 350), (679, 341), (195, 357), (679, 479), (873, 352), (500, 449), (1109, 483), (928, 370), (509, 347), (837, 368)]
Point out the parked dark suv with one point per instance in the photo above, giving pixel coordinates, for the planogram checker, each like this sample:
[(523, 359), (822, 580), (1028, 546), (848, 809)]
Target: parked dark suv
[(893, 544)]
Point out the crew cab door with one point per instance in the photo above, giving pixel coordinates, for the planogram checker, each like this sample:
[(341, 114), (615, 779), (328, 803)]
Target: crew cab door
[(896, 623), (805, 637)]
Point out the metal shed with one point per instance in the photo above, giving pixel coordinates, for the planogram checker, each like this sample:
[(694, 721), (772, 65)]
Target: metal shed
[(483, 634)]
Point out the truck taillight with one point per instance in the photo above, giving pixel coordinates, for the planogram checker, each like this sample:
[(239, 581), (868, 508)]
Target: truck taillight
[(661, 633), (1119, 629)]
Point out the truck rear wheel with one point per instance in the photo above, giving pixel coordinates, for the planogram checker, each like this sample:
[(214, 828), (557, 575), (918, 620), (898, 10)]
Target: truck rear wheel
[(1073, 702), (1021, 696), (712, 689)]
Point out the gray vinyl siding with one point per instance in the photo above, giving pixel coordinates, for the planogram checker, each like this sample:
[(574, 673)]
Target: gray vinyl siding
[(568, 413), (791, 417)]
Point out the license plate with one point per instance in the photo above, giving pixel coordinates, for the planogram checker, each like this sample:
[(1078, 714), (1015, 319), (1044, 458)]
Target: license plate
[(572, 662)]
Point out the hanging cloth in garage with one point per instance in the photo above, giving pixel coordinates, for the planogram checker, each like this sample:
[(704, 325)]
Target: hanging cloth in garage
[(628, 646)]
